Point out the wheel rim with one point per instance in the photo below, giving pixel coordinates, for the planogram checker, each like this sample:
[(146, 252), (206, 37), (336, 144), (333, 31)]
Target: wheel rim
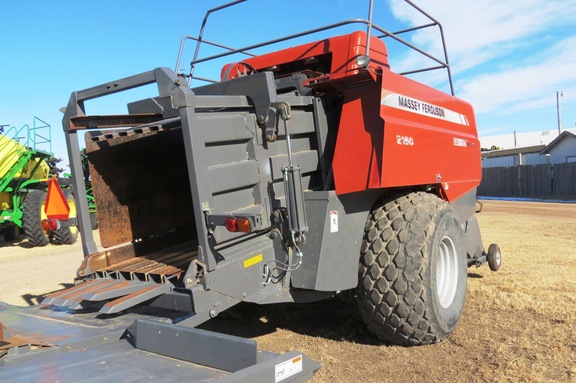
[(72, 214), (447, 272), (43, 216)]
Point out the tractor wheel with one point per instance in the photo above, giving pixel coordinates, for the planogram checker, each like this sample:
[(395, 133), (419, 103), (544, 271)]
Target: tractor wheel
[(67, 235), (412, 274), (494, 257), (33, 215), (11, 233), (93, 221)]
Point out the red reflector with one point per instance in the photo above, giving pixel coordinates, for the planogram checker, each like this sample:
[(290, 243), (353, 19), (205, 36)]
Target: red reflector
[(49, 224), (231, 225), (243, 225), (56, 204)]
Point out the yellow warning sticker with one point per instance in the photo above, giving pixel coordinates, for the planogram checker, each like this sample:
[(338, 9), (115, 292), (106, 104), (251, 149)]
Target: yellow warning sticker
[(252, 261)]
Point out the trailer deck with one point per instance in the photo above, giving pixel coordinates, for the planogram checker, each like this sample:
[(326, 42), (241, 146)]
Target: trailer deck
[(42, 344)]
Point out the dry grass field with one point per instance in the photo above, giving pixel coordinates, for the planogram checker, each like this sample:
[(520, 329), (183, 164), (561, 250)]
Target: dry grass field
[(519, 324)]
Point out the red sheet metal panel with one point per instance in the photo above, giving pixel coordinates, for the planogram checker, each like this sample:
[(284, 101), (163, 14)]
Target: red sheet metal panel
[(407, 134)]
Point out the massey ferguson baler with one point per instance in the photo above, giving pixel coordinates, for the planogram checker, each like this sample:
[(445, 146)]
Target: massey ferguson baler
[(300, 174)]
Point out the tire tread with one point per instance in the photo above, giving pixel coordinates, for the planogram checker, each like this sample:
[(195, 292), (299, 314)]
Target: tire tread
[(390, 292)]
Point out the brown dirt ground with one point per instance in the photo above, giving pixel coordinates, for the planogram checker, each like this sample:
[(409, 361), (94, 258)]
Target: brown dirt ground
[(519, 324)]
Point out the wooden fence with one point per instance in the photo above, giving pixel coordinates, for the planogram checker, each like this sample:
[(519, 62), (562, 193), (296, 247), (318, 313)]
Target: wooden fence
[(557, 180)]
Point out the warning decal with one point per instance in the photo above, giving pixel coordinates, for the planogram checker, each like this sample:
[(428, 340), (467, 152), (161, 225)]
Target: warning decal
[(333, 221), (287, 369)]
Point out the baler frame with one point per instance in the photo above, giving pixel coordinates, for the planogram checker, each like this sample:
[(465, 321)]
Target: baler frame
[(257, 96), (286, 187)]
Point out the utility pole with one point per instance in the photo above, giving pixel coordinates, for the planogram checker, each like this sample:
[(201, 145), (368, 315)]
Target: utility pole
[(559, 93)]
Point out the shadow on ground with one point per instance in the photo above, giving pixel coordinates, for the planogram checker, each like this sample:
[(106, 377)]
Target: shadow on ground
[(335, 319), (32, 299)]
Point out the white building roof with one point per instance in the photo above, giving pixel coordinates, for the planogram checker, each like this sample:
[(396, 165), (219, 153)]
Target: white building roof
[(518, 140)]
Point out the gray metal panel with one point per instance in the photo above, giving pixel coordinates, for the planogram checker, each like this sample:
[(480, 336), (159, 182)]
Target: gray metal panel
[(259, 88), (273, 370), (215, 102), (465, 206), (301, 122), (221, 154), (230, 143), (240, 271), (110, 362), (473, 238), (163, 104), (306, 160), (232, 176), (198, 174), (235, 201), (222, 127), (299, 143), (193, 345), (330, 261)]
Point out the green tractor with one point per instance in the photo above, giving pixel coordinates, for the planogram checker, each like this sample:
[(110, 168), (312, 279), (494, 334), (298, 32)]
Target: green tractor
[(25, 167)]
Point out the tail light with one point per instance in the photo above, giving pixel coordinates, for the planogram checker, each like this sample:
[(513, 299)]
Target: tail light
[(49, 224), (243, 225), (231, 224), (240, 224)]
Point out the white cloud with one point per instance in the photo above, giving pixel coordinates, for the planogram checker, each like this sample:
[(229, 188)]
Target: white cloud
[(507, 56), (479, 31), (524, 87)]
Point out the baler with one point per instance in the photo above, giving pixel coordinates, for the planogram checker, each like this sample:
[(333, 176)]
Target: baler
[(300, 174)]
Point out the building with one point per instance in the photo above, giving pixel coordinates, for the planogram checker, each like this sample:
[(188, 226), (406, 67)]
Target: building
[(562, 149), (530, 155), (544, 149), (519, 140)]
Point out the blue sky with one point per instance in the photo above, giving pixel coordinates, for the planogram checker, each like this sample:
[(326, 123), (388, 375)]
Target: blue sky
[(508, 58)]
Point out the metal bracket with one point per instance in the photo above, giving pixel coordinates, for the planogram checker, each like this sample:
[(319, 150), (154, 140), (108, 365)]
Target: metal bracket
[(281, 109)]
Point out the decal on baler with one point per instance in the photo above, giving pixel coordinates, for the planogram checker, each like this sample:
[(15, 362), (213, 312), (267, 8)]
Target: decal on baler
[(460, 142), (404, 140), (333, 221), (253, 260), (287, 369), (413, 105)]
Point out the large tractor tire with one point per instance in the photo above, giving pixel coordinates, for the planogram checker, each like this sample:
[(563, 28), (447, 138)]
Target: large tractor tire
[(67, 235), (413, 270), (33, 216)]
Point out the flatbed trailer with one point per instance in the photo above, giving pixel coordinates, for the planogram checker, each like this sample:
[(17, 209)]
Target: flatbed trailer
[(38, 344)]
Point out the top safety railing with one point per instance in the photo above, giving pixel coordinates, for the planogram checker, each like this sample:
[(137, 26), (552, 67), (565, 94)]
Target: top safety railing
[(37, 137), (371, 29)]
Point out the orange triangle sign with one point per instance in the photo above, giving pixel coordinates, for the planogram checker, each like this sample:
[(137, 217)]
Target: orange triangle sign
[(56, 204)]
